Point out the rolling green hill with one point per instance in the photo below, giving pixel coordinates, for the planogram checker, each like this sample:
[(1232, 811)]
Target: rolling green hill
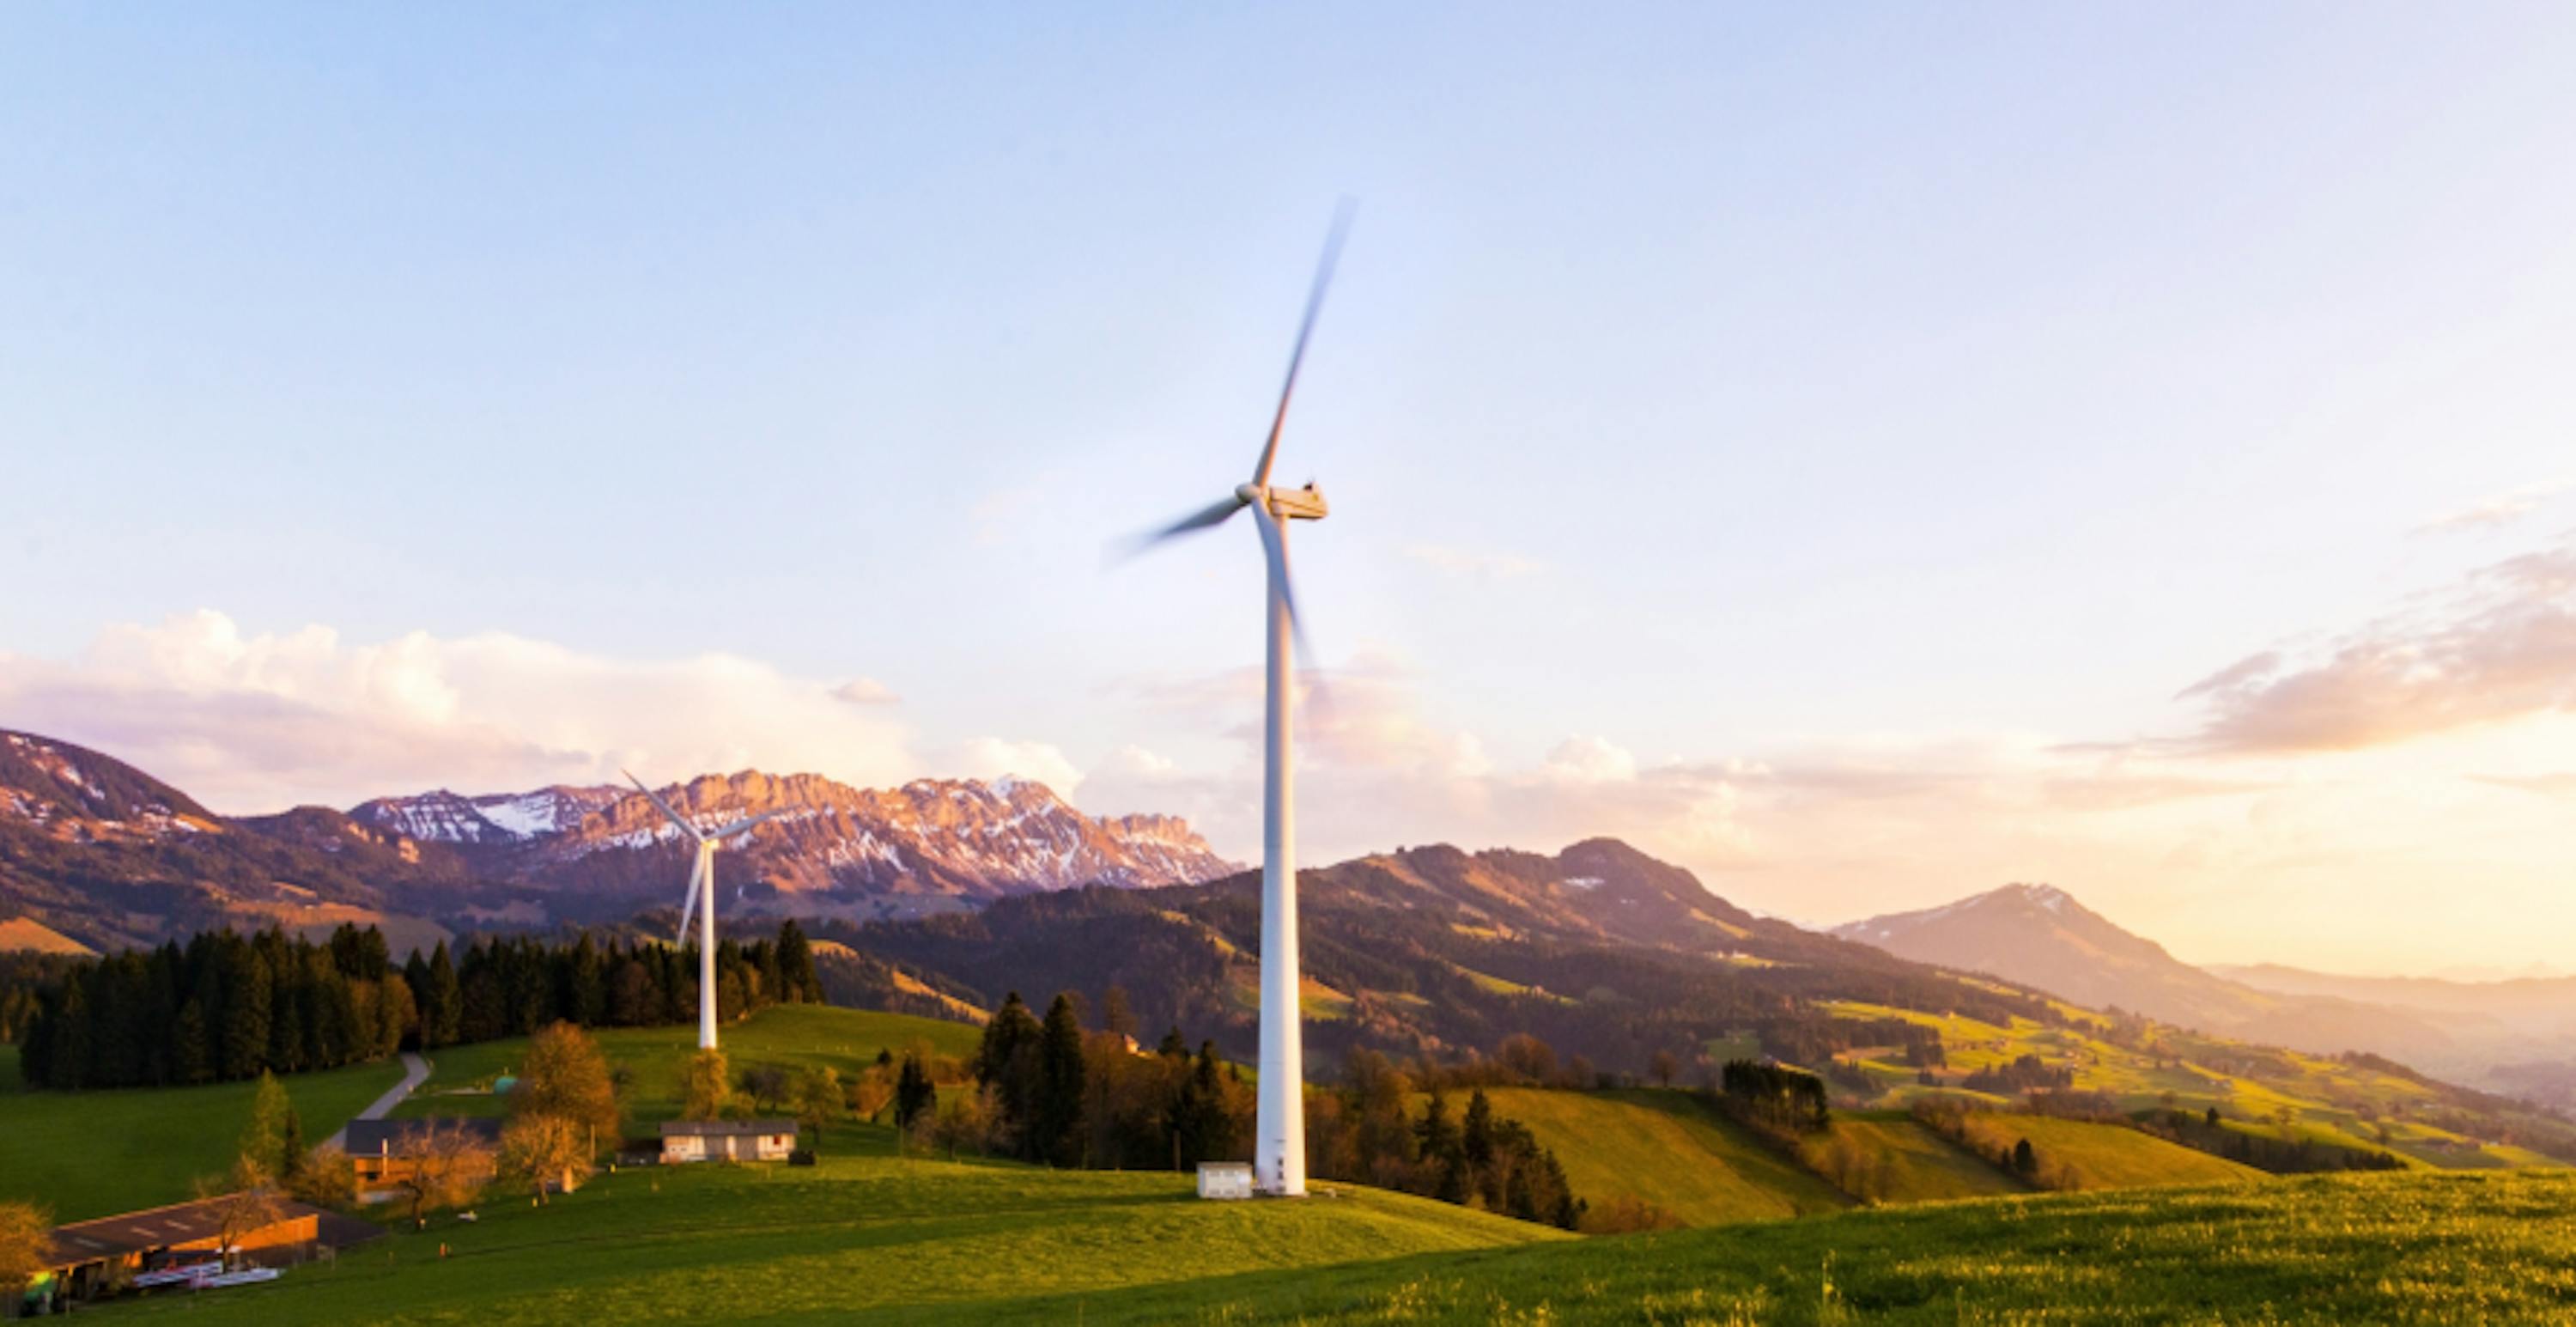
[(796, 1036), (2109, 1156), (872, 1237), (89, 1154), (1889, 1157), (1668, 1149)]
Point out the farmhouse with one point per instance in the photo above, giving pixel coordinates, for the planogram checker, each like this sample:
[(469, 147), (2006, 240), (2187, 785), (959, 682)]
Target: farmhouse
[(727, 1140), (89, 1256), (387, 1152)]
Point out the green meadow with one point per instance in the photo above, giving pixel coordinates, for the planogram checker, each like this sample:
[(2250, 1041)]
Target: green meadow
[(90, 1154)]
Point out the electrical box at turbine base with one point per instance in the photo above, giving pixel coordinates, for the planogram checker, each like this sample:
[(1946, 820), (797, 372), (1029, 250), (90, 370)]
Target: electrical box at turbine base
[(1225, 1179)]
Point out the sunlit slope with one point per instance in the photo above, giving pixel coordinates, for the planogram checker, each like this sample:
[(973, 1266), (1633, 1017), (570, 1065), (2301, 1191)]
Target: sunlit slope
[(1888, 1157), (90, 1154), (796, 1036), (858, 1237), (1667, 1148), (2110, 1156), (2493, 1248)]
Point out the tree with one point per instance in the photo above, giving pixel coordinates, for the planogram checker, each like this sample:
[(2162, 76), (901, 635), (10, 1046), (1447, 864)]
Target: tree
[(871, 1092), (243, 1201), (707, 1090), (565, 1077), (963, 1121), (551, 1152), (442, 1005), (817, 1096), (447, 1167), (1007, 1059), (2024, 1160), (267, 1139), (913, 1094), (26, 1246), (1663, 1066), (798, 983), (767, 1085), (325, 1178), (1057, 1110)]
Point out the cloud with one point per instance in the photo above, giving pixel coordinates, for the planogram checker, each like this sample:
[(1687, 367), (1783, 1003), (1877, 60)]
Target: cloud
[(255, 722), (865, 691), (2547, 785), (2490, 513), (1473, 565), (2499, 646), (993, 757)]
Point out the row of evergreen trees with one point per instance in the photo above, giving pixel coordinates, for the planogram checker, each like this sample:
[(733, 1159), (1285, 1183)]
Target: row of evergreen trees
[(1058, 1094), (228, 1006)]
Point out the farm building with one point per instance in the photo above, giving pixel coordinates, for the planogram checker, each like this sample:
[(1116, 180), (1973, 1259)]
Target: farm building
[(387, 1152), (89, 1256), (727, 1140), (1225, 1179)]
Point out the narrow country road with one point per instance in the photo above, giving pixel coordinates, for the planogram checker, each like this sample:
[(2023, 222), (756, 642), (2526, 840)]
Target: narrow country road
[(415, 1073)]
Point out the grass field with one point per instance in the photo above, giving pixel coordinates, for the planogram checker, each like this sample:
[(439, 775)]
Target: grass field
[(1914, 1164), (2109, 1156), (797, 1036), (88, 1154), (877, 1238), (1666, 1148), (2415, 1248)]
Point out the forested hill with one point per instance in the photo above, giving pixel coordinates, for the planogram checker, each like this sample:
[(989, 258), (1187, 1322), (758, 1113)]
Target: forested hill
[(1600, 950)]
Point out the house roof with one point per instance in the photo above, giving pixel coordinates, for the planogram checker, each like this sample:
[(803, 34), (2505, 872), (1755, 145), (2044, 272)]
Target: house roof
[(367, 1138), (724, 1128), (152, 1228)]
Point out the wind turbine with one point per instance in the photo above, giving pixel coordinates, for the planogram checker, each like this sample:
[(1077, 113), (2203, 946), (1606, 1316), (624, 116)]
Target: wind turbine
[(1279, 1142), (702, 881)]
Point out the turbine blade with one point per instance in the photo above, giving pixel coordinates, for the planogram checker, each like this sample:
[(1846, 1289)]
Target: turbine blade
[(664, 807), (1314, 304), (744, 824), (1274, 542), (1208, 517), (689, 905)]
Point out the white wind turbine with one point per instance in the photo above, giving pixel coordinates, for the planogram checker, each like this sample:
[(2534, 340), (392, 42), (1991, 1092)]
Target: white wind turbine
[(702, 884), (1279, 1143)]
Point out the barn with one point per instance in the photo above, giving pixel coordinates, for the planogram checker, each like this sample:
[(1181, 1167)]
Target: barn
[(90, 1256), (387, 1152)]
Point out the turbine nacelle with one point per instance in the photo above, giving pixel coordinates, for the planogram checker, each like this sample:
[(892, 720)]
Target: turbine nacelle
[(1288, 504)]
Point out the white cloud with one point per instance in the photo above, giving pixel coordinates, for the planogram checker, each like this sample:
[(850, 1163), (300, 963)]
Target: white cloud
[(261, 721), (993, 757), (865, 691), (2499, 510)]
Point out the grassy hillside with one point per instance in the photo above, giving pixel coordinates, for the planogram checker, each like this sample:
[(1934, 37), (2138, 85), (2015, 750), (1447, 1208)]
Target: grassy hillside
[(1666, 1148), (2109, 1156), (857, 1236), (2492, 1248), (88, 1154), (794, 1035), (1901, 1161)]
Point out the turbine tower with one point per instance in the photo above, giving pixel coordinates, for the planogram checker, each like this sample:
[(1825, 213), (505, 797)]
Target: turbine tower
[(1279, 1143), (702, 885)]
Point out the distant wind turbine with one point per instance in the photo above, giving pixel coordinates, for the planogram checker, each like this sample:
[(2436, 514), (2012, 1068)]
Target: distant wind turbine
[(702, 883), (1279, 1143)]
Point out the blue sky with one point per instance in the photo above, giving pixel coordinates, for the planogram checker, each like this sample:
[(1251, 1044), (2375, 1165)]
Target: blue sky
[(1805, 441)]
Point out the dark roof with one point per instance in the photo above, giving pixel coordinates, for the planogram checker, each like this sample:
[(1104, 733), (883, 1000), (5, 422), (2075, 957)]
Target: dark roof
[(724, 1128), (367, 1138), (151, 1228)]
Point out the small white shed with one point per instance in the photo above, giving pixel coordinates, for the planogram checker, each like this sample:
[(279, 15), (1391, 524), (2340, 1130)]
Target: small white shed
[(1225, 1179)]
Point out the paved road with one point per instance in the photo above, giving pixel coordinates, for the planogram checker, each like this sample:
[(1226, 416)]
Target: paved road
[(415, 1073)]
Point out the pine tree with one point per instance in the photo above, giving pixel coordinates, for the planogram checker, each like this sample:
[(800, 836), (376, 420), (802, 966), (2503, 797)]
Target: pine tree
[(265, 1140), (246, 1011), (1057, 1118), (67, 1054), (798, 982), (913, 1093), (441, 1006)]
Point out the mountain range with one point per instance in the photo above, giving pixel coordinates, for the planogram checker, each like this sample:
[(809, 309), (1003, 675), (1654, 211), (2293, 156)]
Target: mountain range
[(2514, 1036), (109, 856)]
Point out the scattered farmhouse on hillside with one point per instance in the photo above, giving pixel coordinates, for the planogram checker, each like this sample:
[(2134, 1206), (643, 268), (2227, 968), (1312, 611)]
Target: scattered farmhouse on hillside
[(387, 1152), (89, 1256), (727, 1140)]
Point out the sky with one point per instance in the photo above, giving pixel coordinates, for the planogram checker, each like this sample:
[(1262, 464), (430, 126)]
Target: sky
[(1868, 454)]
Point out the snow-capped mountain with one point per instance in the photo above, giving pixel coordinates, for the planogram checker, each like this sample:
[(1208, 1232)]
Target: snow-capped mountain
[(932, 837), (496, 819)]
